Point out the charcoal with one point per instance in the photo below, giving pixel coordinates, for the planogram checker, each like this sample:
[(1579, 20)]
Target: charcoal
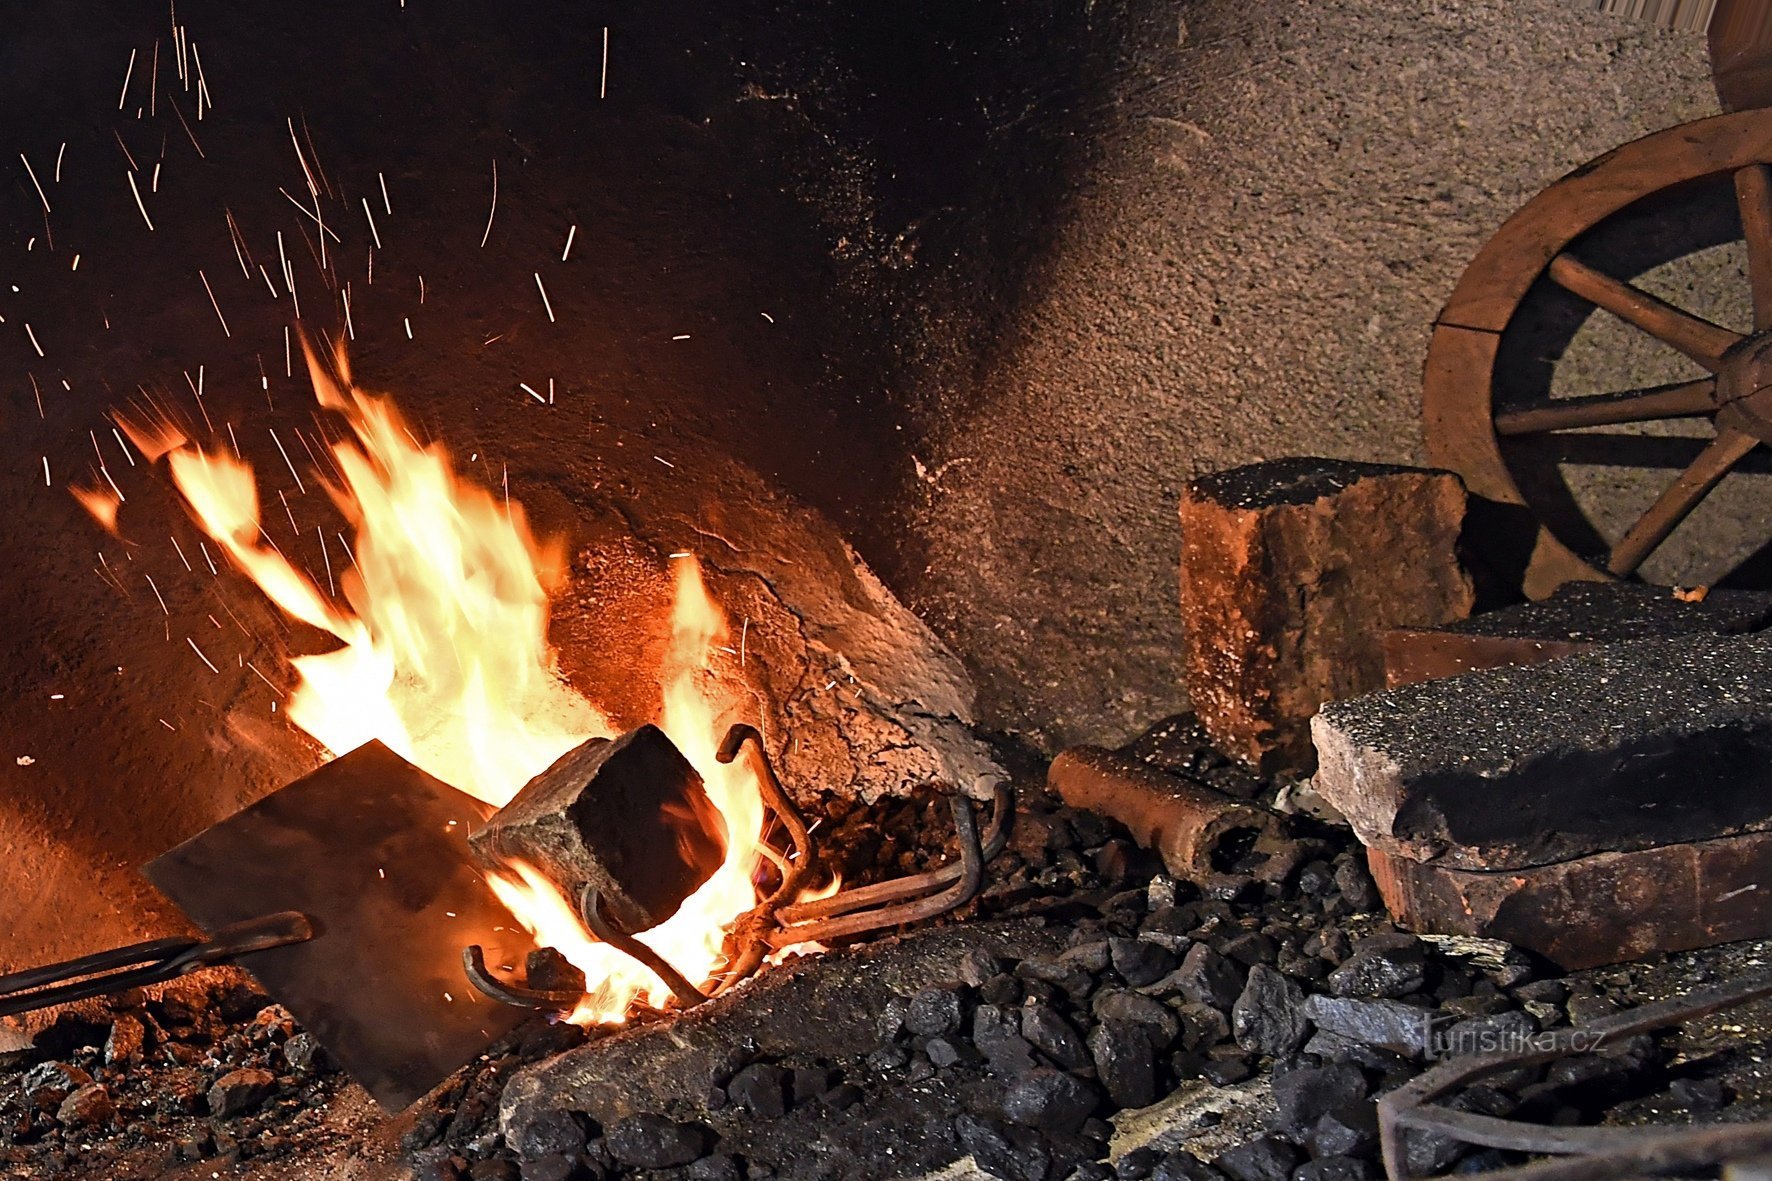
[(1137, 1164), (1048, 1032), (978, 965), (1305, 1095), (1202, 1026), (1208, 978), (1159, 1021), (1224, 1066), (1092, 956), (721, 1166), (546, 969), (1380, 973), (935, 1011), (652, 1141), (1269, 1017), (1250, 948), (1139, 962), (1182, 1165), (1390, 1025), (1335, 1168), (1001, 989), (548, 1168), (556, 1132), (1267, 1158), (1357, 887), (1051, 1100), (1350, 1129), (1125, 1062), (996, 1032), (761, 1089), (891, 1023), (1004, 1150), (240, 1091), (87, 1106), (947, 1052)]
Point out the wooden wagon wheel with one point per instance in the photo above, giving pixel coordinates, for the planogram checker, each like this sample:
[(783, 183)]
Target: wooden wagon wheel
[(1467, 427)]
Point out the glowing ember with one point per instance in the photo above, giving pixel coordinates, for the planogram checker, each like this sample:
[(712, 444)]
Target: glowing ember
[(444, 657)]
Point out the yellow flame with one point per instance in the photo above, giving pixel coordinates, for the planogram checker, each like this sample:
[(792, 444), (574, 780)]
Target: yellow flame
[(102, 503), (444, 657)]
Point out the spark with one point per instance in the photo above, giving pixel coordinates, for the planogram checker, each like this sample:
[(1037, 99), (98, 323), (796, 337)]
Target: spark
[(526, 388), (154, 179), (154, 80), (207, 559), (212, 303), (235, 440), (181, 555), (347, 545), (313, 189), (407, 320), (570, 234), (681, 336), (350, 330), (189, 134), (264, 678), (603, 81), (290, 513), (287, 371), (133, 167), (331, 587), (767, 317), (151, 583), (33, 175), (202, 83), (268, 283), (421, 289), (33, 335), (37, 390), (127, 75), (234, 235), (285, 455), (493, 212), (385, 203), (62, 151), (200, 656), (313, 217), (664, 461), (127, 454), (550, 391), (76, 265), (169, 725), (106, 473), (372, 231), (544, 297), (138, 201), (46, 482)]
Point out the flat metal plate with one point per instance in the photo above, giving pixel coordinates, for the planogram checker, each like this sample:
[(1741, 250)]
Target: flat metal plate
[(375, 852)]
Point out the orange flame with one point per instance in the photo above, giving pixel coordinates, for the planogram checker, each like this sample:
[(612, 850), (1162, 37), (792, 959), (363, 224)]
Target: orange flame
[(444, 657)]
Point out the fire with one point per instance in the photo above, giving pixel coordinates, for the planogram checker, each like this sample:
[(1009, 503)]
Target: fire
[(443, 655)]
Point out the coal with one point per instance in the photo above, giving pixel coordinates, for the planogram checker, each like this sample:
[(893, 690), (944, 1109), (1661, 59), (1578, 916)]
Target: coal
[(1335, 1168), (760, 1089), (1125, 1062), (600, 815), (1004, 1150), (1047, 1031), (1137, 1164), (1357, 887), (935, 1011), (721, 1166), (652, 1141), (547, 970), (1051, 1100), (87, 1106), (240, 1091), (127, 1038), (549, 1168), (1208, 978), (561, 1133), (1305, 1095), (1386, 1024), (997, 1034), (1140, 962), (1184, 1166), (1381, 973), (1270, 1015), (1267, 1158), (1351, 1129)]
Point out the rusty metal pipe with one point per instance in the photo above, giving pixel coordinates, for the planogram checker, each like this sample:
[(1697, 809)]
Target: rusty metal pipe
[(1185, 823)]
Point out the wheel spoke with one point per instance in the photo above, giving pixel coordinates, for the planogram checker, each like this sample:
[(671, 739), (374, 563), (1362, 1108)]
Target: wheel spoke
[(1694, 336), (1681, 497), (1671, 401), (1753, 196)]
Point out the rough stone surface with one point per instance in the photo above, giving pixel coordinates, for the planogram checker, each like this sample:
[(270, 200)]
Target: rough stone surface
[(240, 1090), (651, 1141), (1627, 747), (1388, 1025), (1125, 1061), (601, 814), (1269, 1016), (87, 1106), (1051, 1100), (1291, 573)]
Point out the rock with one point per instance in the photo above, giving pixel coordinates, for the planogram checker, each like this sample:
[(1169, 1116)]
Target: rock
[(1269, 1017), (978, 965), (495, 1169), (1051, 1100), (548, 1168), (1137, 1164), (556, 1132), (996, 1032), (1182, 1165), (810, 1083), (1004, 1150), (1304, 1095), (546, 969), (1267, 1158), (1250, 948), (128, 1035), (1515, 768), (760, 1089), (1092, 956), (945, 1052), (1125, 1062), (1202, 1026), (240, 1091), (651, 1141), (1389, 1025), (86, 1106), (1335, 1168), (721, 1166), (1357, 887), (1350, 1129), (1160, 1021), (1053, 1036), (1139, 962), (1291, 572), (304, 1053), (48, 1083), (935, 1011), (1387, 973), (1207, 978)]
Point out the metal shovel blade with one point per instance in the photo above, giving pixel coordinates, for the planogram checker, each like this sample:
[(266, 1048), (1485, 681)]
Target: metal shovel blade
[(375, 852)]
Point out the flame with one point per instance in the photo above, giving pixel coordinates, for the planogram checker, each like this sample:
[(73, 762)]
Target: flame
[(443, 655), (102, 503)]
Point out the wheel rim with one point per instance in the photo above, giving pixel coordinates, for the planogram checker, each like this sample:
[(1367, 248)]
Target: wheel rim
[(1462, 427)]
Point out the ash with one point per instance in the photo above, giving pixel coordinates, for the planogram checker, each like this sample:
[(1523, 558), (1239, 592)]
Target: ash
[(1144, 1030)]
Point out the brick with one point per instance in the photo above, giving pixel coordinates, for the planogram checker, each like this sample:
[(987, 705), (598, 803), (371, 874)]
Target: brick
[(1600, 909), (1627, 747), (1291, 573)]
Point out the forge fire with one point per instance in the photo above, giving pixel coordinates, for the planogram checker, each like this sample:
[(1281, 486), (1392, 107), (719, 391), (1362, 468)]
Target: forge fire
[(1164, 591)]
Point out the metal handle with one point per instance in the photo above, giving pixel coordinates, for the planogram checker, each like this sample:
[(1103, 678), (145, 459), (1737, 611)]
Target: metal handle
[(146, 963)]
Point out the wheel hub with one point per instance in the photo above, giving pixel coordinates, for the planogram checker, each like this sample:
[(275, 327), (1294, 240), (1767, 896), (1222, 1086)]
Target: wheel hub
[(1744, 387)]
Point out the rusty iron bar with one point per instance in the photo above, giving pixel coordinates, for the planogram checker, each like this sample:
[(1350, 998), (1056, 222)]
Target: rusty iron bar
[(590, 907), (970, 881), (1606, 1153), (140, 964), (996, 835), (473, 962)]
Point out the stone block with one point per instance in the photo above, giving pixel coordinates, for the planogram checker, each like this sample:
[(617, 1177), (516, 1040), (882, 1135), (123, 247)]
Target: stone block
[(1291, 573)]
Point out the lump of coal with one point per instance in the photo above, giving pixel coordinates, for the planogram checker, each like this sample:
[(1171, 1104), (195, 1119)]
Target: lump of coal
[(240, 1090), (649, 1141), (610, 814)]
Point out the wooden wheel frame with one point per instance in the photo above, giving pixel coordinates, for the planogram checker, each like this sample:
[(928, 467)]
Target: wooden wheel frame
[(1463, 426)]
